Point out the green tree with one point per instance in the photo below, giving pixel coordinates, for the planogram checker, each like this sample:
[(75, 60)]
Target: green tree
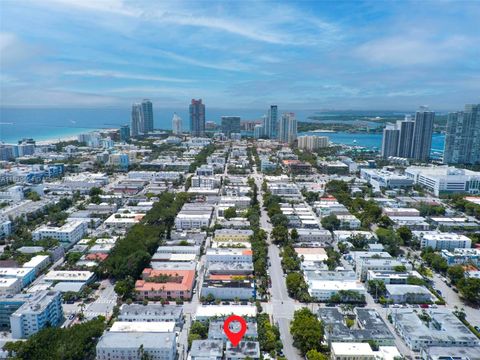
[(229, 213), (456, 273), (358, 241), (307, 331), (280, 234), (294, 235), (74, 343), (297, 287), (470, 289), (315, 355), (377, 288), (405, 234), (330, 222)]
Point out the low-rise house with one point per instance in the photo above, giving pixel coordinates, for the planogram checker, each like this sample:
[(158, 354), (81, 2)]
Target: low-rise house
[(10, 286), (345, 235), (376, 264), (165, 284), (323, 290), (229, 255), (349, 221), (126, 345), (193, 216), (75, 276), (411, 294), (370, 327), (216, 332), (26, 275), (151, 313), (411, 222), (432, 327), (123, 220), (206, 350), (244, 350), (38, 262), (236, 235), (229, 287), (392, 277), (461, 256), (321, 236), (206, 312), (445, 241), (67, 235)]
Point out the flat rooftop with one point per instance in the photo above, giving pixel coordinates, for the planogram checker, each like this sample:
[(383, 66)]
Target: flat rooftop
[(143, 326), (129, 340)]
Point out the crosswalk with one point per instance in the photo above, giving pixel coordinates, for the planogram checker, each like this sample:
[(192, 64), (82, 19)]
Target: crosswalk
[(105, 301)]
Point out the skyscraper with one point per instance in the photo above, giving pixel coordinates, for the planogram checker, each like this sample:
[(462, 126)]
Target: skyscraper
[(258, 131), (405, 138), (147, 111), (390, 141), (422, 134), (287, 128), (176, 124), (137, 120), (125, 133), (230, 124), (197, 118), (462, 141), (271, 122)]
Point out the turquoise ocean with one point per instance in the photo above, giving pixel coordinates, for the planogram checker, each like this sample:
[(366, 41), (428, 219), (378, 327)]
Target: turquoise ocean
[(57, 123)]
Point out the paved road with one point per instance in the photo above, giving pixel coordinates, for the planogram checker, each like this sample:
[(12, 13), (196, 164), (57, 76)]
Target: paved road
[(104, 304), (452, 300), (281, 306)]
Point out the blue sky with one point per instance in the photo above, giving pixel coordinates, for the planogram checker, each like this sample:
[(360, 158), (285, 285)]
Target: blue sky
[(241, 54)]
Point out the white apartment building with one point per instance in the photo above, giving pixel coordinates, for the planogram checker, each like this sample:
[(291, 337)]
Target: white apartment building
[(364, 265), (43, 309), (126, 345), (286, 190), (205, 182), (323, 290), (312, 142), (445, 241), (10, 286), (444, 179), (68, 234), (192, 221), (38, 262), (229, 255)]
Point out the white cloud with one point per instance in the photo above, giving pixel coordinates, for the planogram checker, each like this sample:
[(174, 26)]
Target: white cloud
[(123, 75), (411, 50)]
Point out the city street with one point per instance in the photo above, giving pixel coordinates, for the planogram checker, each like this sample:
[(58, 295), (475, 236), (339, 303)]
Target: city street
[(282, 306)]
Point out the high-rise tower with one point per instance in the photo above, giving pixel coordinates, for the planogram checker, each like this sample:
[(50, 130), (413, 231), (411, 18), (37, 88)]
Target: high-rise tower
[(390, 141), (197, 118), (147, 110), (137, 120), (287, 128), (230, 124), (176, 124), (405, 138), (422, 134), (271, 122), (462, 140)]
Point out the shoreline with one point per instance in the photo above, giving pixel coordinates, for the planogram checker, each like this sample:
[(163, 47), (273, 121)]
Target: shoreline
[(60, 138)]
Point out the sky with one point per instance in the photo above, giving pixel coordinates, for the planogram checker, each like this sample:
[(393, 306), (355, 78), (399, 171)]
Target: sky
[(373, 55)]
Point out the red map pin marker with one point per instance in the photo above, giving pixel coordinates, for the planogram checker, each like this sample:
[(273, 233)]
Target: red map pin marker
[(235, 338)]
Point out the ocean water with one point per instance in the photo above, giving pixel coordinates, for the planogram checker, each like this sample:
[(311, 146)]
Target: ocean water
[(371, 141), (56, 123)]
